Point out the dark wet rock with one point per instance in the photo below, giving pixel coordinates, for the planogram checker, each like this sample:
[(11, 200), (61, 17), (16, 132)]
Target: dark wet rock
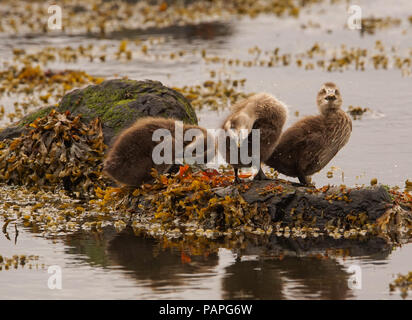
[(280, 215), (11, 132), (306, 206), (226, 191), (16, 129), (118, 103)]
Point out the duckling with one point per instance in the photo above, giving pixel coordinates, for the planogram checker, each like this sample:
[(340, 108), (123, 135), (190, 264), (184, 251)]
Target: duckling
[(260, 111), (311, 143), (130, 160)]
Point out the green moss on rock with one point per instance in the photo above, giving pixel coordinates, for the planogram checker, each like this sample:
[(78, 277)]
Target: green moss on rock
[(33, 116), (118, 103)]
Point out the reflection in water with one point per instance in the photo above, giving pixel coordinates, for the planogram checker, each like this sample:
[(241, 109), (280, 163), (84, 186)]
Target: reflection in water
[(374, 247), (326, 279), (298, 274), (149, 261), (253, 280), (268, 279), (281, 268), (92, 247)]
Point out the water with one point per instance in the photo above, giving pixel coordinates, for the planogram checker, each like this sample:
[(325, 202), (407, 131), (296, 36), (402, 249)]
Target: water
[(124, 266)]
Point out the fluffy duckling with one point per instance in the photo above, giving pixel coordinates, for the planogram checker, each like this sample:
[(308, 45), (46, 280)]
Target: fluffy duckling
[(310, 144), (260, 111), (130, 159)]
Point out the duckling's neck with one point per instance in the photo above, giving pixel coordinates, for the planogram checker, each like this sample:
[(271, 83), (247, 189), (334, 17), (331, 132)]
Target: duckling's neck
[(328, 110)]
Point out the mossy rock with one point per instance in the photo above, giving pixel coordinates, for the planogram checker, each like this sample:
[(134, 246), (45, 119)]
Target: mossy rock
[(118, 103)]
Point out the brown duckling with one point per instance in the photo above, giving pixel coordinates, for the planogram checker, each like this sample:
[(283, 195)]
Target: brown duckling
[(310, 144), (260, 111), (130, 159)]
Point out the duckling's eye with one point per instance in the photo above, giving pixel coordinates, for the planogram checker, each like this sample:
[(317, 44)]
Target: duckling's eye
[(337, 91), (323, 91)]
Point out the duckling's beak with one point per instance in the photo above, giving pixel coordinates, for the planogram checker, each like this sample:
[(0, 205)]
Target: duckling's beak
[(330, 97)]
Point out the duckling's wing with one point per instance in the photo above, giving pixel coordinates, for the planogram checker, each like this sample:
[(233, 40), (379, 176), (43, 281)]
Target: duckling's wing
[(320, 151), (326, 155), (266, 129), (239, 105), (334, 144)]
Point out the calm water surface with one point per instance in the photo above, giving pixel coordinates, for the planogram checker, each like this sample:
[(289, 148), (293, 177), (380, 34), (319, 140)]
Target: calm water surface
[(124, 266)]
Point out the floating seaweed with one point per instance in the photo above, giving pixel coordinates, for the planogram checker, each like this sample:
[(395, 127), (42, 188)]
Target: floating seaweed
[(19, 261), (214, 94), (38, 86), (371, 24), (403, 283), (101, 17), (330, 59), (357, 112)]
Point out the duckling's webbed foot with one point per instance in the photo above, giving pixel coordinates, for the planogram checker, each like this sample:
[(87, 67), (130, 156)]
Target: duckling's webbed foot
[(173, 169), (237, 179), (305, 181), (261, 175)]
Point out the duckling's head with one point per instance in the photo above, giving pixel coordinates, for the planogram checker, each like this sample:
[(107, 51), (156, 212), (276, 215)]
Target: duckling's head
[(239, 124), (329, 98)]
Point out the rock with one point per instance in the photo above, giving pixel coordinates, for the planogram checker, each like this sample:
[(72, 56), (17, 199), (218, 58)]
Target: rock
[(118, 103), (273, 208), (336, 205), (11, 132)]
